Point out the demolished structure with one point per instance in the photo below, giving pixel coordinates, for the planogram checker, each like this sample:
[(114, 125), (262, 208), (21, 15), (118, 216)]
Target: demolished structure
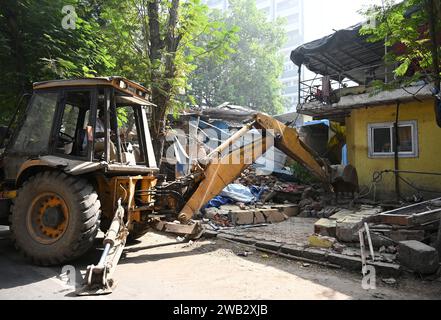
[(389, 136), (392, 162)]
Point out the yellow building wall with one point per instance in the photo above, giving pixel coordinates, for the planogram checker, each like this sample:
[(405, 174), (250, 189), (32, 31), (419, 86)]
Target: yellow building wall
[(429, 145)]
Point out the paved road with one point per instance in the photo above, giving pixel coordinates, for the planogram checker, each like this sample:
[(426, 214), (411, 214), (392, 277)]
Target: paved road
[(209, 269)]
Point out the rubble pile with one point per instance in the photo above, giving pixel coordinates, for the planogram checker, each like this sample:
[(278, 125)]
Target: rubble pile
[(406, 236), (399, 238), (315, 203), (307, 201), (250, 178)]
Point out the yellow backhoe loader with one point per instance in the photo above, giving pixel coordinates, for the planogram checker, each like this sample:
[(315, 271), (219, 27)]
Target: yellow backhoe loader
[(80, 159)]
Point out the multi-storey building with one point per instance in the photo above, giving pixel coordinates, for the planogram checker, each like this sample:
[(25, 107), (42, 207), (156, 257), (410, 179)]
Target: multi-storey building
[(292, 11)]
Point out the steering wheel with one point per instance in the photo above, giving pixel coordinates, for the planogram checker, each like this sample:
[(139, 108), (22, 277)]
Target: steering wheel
[(65, 138)]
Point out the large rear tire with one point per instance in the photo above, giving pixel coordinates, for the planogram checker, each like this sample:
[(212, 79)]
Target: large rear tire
[(55, 218)]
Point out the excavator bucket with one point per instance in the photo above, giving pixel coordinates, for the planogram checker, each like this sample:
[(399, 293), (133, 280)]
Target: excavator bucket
[(344, 179)]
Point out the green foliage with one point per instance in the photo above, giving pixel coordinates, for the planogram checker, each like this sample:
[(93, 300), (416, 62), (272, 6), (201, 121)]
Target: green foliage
[(35, 47), (403, 27), (248, 73), (126, 26), (302, 174), (121, 37), (122, 116)]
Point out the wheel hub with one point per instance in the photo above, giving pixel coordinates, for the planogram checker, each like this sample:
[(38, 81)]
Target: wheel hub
[(48, 218), (52, 217)]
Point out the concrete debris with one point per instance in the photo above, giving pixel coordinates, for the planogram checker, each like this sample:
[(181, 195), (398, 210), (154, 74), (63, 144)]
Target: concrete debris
[(398, 235), (290, 210), (418, 257), (327, 212), (256, 216), (239, 215), (306, 265), (389, 281), (189, 244), (326, 227), (345, 223), (338, 247), (392, 249), (310, 193), (244, 254)]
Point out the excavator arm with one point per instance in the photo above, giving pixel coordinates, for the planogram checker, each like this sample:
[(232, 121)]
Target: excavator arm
[(220, 170)]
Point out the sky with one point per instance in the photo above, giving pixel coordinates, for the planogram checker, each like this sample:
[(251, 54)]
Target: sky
[(322, 16)]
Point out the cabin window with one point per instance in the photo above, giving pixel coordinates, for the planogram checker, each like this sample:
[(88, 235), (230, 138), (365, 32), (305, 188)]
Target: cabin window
[(33, 137), (381, 137)]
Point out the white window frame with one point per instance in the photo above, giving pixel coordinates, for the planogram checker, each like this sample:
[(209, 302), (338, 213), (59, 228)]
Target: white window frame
[(390, 125)]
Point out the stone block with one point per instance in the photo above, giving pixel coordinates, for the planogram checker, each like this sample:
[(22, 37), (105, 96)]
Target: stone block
[(293, 250), (315, 254), (386, 269), (326, 227), (244, 240), (347, 262), (259, 217), (268, 245), (273, 216), (290, 210), (347, 229), (244, 217), (418, 257), (341, 214)]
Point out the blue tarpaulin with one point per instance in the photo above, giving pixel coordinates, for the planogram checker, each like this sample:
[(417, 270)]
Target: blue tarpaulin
[(236, 193)]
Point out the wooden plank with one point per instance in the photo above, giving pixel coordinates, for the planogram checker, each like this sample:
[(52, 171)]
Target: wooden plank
[(181, 228), (395, 219)]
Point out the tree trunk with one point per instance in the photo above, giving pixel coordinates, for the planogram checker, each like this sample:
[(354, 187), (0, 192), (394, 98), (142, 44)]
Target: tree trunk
[(156, 45), (161, 83)]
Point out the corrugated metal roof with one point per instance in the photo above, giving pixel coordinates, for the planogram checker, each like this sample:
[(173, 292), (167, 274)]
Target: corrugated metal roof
[(345, 53)]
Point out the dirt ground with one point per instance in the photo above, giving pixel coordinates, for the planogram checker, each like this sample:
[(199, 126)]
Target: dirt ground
[(206, 269)]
